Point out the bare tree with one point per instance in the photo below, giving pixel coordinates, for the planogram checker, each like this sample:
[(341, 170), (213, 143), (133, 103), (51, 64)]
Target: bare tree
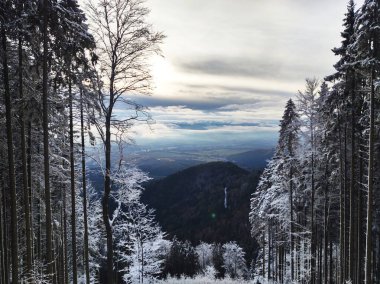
[(124, 43)]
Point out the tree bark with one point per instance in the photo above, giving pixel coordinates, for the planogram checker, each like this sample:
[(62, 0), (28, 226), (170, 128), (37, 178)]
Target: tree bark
[(263, 238), (45, 126), (72, 183), (341, 208), (24, 166), (105, 201), (291, 225), (345, 206), (84, 188), (269, 252), (368, 251), (5, 239), (2, 235), (352, 188), (11, 166), (65, 256), (30, 195), (359, 226), (326, 226), (312, 225)]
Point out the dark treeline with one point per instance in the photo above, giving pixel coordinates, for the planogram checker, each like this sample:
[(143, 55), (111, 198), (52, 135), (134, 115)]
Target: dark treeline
[(316, 210), (61, 76)]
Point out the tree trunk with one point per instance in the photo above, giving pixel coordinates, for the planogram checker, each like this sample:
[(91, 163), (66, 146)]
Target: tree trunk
[(39, 222), (66, 262), (320, 258), (45, 126), (72, 183), (2, 236), (330, 280), (291, 225), (142, 263), (263, 238), (326, 226), (105, 201), (29, 163), (312, 225), (11, 169), (269, 252), (5, 239), (26, 204), (62, 262), (359, 226), (341, 208), (84, 188), (368, 251), (345, 217), (352, 188)]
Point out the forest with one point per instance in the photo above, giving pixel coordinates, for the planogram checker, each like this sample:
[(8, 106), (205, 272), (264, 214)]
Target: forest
[(67, 71), (315, 210)]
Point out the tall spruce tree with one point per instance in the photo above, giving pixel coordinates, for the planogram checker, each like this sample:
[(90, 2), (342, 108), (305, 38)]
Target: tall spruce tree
[(287, 147), (367, 62), (344, 81), (276, 186)]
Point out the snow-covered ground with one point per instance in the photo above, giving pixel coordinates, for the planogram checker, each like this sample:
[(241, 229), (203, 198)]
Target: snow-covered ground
[(203, 280)]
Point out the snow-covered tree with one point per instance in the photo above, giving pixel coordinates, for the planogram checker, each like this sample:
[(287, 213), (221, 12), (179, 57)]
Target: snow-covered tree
[(138, 238), (234, 261), (273, 203), (204, 251), (124, 42)]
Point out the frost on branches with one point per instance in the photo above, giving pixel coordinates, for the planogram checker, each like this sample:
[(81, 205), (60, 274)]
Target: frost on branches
[(140, 244)]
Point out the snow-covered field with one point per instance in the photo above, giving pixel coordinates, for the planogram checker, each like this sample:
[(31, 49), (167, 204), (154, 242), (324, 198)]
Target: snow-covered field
[(204, 280)]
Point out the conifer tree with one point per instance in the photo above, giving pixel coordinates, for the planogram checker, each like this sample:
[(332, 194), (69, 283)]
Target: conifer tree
[(367, 49)]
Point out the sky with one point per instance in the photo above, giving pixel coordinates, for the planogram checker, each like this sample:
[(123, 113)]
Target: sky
[(229, 66)]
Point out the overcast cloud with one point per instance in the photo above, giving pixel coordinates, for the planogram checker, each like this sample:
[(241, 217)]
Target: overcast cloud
[(230, 66)]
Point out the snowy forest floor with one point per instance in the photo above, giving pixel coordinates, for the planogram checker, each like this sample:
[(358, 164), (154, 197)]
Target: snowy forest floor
[(205, 280)]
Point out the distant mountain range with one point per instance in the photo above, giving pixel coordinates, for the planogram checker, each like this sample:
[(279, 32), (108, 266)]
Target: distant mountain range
[(162, 162), (208, 202), (256, 159), (165, 162)]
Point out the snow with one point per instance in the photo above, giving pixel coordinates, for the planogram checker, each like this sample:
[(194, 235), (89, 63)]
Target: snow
[(204, 280)]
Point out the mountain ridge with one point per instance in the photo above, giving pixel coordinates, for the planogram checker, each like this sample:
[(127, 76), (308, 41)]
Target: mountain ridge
[(190, 204)]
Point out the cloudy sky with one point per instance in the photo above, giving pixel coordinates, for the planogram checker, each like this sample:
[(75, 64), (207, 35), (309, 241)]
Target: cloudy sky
[(229, 66)]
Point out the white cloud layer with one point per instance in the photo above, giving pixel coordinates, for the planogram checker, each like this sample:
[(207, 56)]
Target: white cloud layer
[(230, 66)]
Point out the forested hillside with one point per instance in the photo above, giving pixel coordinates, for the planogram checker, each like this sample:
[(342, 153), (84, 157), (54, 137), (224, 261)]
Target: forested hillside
[(206, 203), (316, 209)]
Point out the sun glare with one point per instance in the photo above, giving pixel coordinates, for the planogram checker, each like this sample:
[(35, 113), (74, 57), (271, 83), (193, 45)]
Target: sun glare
[(162, 72)]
